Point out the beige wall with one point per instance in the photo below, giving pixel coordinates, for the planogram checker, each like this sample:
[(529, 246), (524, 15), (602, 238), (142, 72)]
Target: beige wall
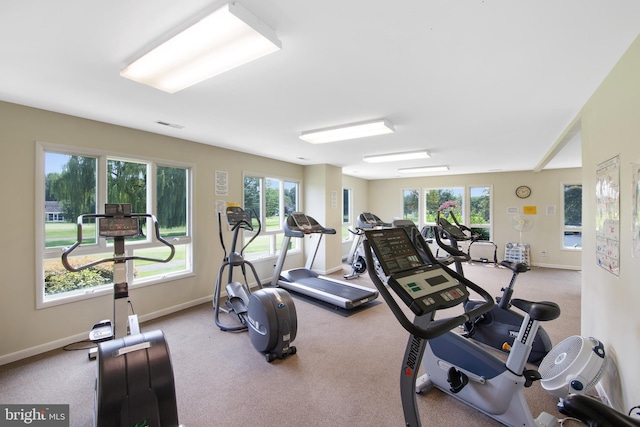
[(385, 200), (24, 330), (611, 127), (360, 202), (323, 202)]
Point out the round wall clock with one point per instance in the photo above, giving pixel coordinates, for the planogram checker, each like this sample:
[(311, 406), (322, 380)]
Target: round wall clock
[(523, 191)]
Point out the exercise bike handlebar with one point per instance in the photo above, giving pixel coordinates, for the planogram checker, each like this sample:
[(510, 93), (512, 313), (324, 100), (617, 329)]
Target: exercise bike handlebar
[(438, 327), (451, 250), (78, 242)]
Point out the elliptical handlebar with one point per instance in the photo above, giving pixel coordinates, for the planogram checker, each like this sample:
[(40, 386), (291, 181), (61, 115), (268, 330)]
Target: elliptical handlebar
[(253, 211), (239, 220), (78, 242), (438, 327)]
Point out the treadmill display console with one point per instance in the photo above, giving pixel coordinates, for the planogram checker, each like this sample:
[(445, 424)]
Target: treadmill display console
[(423, 287), (302, 221)]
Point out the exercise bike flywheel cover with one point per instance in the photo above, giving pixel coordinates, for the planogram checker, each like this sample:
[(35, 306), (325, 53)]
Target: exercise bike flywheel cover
[(575, 365)]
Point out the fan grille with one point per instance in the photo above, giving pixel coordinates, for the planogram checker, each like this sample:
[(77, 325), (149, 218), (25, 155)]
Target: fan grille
[(560, 357), (597, 377)]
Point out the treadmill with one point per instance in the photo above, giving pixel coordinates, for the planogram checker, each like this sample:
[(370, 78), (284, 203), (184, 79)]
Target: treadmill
[(306, 281)]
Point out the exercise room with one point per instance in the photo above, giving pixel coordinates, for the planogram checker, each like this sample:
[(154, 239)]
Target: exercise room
[(371, 214)]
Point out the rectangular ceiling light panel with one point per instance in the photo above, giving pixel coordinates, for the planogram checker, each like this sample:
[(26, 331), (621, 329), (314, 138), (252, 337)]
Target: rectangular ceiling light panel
[(395, 157), (423, 169), (350, 131), (229, 37)]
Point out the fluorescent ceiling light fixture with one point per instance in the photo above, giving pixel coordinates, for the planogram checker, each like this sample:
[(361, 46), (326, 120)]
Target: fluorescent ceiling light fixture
[(350, 131), (229, 37), (424, 169), (394, 157)]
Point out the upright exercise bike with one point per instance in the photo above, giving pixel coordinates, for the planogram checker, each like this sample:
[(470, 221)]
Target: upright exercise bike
[(498, 327), (135, 383), (454, 364), (269, 314)]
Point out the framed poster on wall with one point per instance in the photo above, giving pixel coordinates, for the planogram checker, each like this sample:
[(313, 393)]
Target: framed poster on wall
[(608, 215)]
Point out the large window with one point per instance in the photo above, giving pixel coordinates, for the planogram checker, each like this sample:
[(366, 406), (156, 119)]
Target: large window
[(572, 216), (77, 183), (270, 200), (480, 211), (472, 206), (435, 197), (347, 215), (411, 205)]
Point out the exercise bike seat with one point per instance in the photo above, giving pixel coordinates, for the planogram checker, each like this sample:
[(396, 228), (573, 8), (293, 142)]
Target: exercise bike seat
[(516, 267), (595, 413), (539, 310)]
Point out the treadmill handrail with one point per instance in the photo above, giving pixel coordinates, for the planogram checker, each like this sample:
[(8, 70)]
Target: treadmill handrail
[(291, 228)]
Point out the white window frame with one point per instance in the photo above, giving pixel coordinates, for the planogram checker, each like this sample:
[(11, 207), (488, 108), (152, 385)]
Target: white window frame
[(464, 208), (466, 202), (467, 197), (349, 223), (102, 245), (274, 249), (569, 228), (420, 205)]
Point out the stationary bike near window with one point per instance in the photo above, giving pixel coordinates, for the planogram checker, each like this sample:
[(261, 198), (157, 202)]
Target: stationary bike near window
[(499, 326)]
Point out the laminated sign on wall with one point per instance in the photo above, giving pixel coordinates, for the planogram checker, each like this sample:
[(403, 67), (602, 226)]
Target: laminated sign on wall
[(608, 215)]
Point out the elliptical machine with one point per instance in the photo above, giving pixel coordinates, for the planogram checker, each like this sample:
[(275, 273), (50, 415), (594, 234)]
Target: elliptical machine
[(135, 384), (269, 314)]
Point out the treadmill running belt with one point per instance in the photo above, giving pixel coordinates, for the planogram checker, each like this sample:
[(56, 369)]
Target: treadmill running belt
[(346, 292)]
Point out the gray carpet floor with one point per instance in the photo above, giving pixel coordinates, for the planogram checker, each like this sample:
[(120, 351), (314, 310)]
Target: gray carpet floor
[(345, 373)]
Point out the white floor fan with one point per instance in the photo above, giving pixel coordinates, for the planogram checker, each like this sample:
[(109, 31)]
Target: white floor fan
[(522, 223), (577, 363)]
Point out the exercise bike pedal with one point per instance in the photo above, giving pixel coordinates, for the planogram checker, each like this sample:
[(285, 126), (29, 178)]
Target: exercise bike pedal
[(456, 379), (530, 376)]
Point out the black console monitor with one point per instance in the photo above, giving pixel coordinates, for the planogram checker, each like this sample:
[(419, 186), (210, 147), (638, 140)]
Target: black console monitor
[(236, 215), (394, 250), (423, 287)]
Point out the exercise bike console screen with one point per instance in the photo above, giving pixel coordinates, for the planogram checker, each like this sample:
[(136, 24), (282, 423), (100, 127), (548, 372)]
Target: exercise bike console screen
[(394, 250), (423, 287), (118, 222)]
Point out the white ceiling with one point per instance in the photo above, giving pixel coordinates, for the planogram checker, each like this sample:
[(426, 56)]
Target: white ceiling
[(484, 85)]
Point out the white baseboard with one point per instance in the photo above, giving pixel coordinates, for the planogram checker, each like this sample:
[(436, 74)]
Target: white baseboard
[(559, 266), (53, 345)]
